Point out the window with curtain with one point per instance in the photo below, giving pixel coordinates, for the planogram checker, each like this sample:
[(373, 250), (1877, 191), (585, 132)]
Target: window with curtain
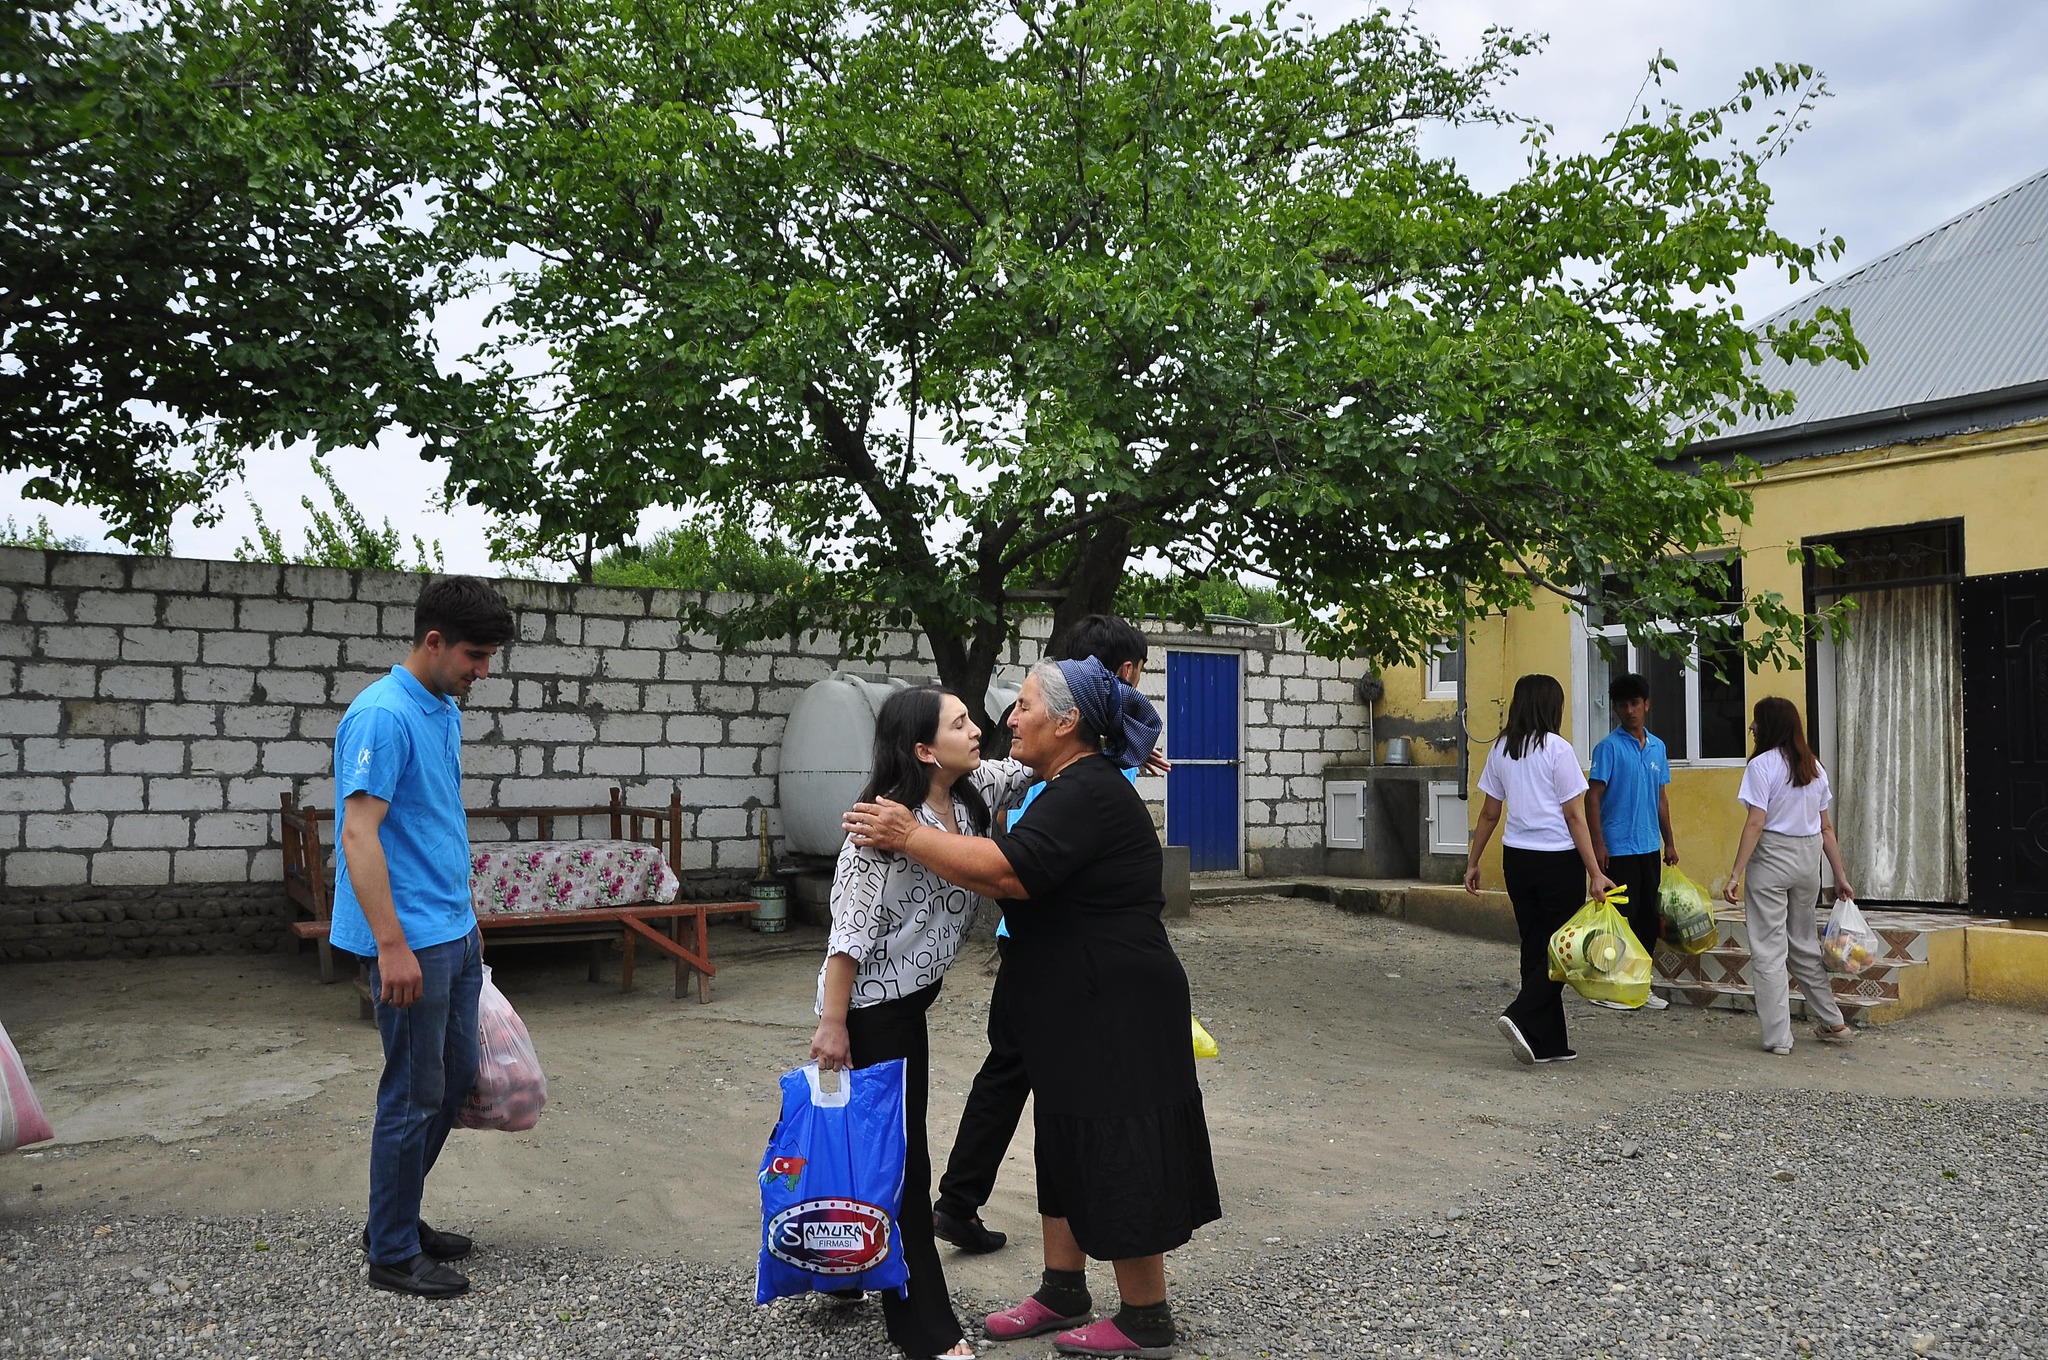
[(1898, 716)]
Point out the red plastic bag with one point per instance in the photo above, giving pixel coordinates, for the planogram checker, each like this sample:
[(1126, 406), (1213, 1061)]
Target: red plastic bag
[(21, 1115), (510, 1090)]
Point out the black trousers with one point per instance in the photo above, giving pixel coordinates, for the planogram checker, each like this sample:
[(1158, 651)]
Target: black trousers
[(921, 1322), (995, 1105), (1639, 876), (1546, 886)]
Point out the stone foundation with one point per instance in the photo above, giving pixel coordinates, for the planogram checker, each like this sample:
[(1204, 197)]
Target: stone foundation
[(245, 918)]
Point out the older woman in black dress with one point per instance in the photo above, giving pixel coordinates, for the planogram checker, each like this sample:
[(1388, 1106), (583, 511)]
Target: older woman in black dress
[(1124, 1168)]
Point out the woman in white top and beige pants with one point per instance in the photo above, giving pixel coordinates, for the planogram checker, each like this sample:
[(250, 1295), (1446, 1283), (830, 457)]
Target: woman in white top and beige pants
[(1777, 875)]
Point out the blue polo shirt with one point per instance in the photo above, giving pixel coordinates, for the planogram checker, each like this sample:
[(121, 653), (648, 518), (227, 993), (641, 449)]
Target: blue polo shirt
[(1628, 805), (403, 745), (1003, 925)]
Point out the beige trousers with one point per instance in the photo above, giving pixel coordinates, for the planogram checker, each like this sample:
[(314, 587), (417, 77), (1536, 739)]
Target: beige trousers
[(1779, 891)]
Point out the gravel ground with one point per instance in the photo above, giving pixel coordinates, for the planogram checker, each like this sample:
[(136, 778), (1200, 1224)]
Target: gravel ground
[(1725, 1224)]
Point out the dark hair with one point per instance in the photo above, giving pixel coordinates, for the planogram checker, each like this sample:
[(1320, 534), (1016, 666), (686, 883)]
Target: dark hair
[(1535, 711), (1105, 637), (910, 716), (1623, 688), (462, 609), (1778, 729)]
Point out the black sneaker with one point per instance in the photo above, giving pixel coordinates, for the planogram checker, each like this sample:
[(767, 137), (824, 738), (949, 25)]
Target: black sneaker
[(422, 1276), (968, 1234), (439, 1245), (1565, 1056)]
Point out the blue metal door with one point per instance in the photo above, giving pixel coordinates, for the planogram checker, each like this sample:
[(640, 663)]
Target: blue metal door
[(1202, 710)]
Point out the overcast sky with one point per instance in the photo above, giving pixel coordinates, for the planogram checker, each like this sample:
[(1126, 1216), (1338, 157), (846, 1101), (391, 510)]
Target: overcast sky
[(1938, 104)]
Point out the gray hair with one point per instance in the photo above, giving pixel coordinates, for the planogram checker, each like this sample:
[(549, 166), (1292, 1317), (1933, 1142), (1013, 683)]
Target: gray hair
[(1059, 696), (1052, 682)]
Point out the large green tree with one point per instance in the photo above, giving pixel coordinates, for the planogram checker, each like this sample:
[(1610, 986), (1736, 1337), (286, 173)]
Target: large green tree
[(204, 246), (982, 302)]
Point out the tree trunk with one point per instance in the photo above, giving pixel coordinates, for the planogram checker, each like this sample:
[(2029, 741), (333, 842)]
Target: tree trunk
[(966, 667), (1091, 578)]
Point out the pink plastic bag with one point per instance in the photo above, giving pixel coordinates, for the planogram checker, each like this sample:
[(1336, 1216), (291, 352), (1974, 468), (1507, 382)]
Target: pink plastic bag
[(510, 1090), (21, 1116)]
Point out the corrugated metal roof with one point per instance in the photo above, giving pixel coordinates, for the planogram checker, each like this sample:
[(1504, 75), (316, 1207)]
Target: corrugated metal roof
[(1956, 314)]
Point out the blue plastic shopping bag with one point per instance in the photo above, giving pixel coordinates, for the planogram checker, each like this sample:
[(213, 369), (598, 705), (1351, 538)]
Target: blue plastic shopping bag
[(832, 1184)]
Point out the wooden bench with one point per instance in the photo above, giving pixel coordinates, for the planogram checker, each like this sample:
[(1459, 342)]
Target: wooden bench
[(659, 924)]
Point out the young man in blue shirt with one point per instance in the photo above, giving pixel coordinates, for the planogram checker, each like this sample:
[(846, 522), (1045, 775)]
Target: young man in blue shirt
[(401, 899), (1628, 811)]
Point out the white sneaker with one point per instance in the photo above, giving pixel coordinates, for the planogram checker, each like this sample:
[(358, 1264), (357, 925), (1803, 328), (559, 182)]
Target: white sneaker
[(1513, 1033), (1656, 1003)]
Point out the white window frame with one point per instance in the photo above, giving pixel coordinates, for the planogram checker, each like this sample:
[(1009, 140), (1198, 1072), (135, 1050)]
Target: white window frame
[(1585, 712), (1435, 685)]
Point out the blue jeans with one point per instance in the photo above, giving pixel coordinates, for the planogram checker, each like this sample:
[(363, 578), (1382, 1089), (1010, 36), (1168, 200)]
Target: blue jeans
[(430, 1058)]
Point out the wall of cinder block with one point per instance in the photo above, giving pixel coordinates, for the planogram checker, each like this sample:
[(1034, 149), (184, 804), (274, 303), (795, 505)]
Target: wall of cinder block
[(152, 710)]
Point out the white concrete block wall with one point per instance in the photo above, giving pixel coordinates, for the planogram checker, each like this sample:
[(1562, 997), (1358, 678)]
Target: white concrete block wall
[(152, 710)]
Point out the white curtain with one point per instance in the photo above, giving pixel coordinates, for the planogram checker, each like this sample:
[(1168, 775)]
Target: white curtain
[(1899, 747)]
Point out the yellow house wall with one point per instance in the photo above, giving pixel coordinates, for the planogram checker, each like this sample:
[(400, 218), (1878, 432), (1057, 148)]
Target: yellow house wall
[(1541, 639), (1997, 485), (1407, 701)]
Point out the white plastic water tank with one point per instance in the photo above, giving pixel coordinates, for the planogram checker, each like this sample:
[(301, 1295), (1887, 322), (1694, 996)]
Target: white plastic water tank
[(828, 749)]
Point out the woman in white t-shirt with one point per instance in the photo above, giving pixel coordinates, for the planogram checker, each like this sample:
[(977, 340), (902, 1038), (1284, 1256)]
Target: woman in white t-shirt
[(1546, 855), (1786, 836), (896, 929)]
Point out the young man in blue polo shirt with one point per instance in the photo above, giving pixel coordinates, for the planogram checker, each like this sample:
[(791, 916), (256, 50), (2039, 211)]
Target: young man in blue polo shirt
[(401, 898), (1628, 811)]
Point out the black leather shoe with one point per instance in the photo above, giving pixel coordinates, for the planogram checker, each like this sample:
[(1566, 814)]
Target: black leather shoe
[(444, 1246), (968, 1234), (439, 1245), (422, 1276)]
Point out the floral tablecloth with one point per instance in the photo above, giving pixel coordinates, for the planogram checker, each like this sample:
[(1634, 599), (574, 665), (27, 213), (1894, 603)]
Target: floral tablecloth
[(567, 876)]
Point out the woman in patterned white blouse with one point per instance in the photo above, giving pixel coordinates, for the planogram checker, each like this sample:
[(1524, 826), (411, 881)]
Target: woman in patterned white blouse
[(896, 929)]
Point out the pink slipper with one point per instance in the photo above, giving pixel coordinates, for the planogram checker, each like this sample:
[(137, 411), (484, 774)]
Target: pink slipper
[(1029, 1318), (1105, 1338)]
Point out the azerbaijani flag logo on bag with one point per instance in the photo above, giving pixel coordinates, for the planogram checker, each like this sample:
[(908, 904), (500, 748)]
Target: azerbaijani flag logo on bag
[(788, 1170), (830, 1236)]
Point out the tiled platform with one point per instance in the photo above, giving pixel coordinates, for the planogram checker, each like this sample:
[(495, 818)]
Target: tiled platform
[(1923, 965)]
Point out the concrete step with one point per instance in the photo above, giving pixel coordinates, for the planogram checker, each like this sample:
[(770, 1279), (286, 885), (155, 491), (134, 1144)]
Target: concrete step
[(1922, 965), (1858, 1007)]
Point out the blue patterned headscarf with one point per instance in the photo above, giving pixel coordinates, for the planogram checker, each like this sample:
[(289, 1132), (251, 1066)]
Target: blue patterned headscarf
[(1126, 720)]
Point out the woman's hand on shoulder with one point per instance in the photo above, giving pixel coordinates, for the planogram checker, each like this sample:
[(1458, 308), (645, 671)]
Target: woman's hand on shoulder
[(883, 825), (830, 1048)]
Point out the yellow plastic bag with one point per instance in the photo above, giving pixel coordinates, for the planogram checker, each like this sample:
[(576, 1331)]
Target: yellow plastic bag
[(1600, 956), (1688, 911), (1205, 1043)]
